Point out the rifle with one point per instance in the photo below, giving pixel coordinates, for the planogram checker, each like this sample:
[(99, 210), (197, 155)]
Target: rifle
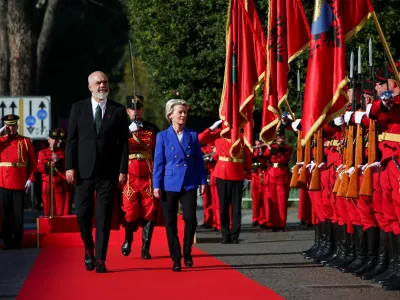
[(367, 182), (302, 182), (315, 183), (344, 184), (338, 180), (295, 175), (353, 189)]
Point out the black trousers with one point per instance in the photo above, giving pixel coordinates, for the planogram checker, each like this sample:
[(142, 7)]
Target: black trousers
[(12, 215), (84, 202), (169, 205), (230, 193)]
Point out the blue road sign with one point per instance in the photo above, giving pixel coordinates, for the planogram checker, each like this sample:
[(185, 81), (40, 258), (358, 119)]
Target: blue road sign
[(41, 114), (30, 120)]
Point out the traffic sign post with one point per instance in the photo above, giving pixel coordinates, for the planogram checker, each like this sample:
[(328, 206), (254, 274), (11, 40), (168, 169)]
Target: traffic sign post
[(33, 112)]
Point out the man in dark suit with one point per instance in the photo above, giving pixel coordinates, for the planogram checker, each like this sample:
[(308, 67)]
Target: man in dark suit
[(96, 152)]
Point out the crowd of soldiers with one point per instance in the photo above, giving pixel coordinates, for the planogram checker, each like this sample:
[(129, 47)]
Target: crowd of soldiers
[(267, 169), (355, 201)]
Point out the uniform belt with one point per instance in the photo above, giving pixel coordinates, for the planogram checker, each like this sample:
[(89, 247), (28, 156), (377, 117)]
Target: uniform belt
[(332, 143), (279, 165), (140, 156), (386, 136), (10, 164), (231, 159)]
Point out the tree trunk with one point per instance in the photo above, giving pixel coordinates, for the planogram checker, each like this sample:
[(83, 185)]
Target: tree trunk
[(46, 39), (21, 50), (4, 53)]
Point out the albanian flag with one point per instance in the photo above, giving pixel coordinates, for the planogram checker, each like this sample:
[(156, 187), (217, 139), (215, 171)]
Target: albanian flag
[(288, 36), (244, 72), (334, 22)]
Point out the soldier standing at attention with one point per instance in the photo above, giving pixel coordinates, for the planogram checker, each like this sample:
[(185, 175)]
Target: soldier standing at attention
[(17, 173)]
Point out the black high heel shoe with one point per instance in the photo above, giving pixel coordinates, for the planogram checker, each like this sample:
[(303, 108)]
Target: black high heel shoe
[(176, 267), (189, 261)]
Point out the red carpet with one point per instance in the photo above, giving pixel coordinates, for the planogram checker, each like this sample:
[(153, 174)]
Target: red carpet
[(59, 273)]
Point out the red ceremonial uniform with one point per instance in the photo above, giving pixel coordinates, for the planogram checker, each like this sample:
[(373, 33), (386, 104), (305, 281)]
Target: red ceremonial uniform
[(17, 162), (257, 186), (207, 196), (138, 201), (389, 178), (61, 199), (277, 181)]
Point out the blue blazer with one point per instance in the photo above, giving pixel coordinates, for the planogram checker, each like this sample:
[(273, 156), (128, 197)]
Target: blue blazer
[(177, 164)]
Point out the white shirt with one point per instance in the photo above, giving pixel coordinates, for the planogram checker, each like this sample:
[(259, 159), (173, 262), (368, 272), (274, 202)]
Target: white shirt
[(102, 104)]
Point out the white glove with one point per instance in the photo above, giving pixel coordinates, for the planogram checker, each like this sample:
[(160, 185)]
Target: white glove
[(376, 167), (300, 164), (215, 125), (311, 166), (295, 124), (133, 127), (359, 116), (322, 166), (341, 173), (245, 184), (350, 170), (340, 167), (347, 116), (338, 121), (28, 185)]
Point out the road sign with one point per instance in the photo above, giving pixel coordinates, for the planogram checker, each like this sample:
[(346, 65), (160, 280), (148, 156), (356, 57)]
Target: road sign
[(33, 112)]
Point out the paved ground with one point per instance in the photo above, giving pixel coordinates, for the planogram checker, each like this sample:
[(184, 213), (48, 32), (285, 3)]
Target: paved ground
[(272, 259)]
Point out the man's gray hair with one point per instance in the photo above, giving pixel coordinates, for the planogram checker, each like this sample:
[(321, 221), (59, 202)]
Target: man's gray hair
[(169, 107)]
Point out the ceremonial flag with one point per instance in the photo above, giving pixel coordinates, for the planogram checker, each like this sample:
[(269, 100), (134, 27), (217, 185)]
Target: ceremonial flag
[(244, 72), (288, 36), (334, 22)]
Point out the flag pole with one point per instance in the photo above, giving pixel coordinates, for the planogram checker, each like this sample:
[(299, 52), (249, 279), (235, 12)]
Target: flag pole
[(386, 47)]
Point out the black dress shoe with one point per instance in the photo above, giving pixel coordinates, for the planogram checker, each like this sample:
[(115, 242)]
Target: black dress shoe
[(188, 261), (176, 267), (226, 241), (90, 260), (126, 248), (235, 241), (101, 267)]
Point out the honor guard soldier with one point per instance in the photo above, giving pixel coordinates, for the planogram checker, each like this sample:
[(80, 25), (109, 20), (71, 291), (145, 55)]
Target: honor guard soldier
[(141, 208), (257, 185), (17, 173), (52, 158), (277, 182), (209, 163)]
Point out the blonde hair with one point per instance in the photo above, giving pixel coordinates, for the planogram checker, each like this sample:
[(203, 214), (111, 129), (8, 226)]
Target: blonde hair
[(169, 107)]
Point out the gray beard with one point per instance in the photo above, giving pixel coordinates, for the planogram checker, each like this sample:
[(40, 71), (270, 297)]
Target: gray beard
[(100, 96)]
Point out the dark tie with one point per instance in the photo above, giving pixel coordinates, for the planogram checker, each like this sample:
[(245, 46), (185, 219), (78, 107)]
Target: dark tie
[(98, 118)]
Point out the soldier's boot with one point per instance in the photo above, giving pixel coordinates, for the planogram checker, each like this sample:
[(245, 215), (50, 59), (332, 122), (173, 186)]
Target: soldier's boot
[(317, 240), (373, 247), (383, 257), (328, 249), (147, 234), (349, 254), (392, 261), (361, 250), (322, 241), (394, 282), (337, 229), (343, 245), (126, 246)]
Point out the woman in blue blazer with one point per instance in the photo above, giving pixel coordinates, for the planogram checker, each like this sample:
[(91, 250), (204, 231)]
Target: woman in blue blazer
[(178, 171)]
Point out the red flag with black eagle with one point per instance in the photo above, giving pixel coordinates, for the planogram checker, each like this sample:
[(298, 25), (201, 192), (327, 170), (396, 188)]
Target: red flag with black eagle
[(334, 22), (244, 72), (288, 36)]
